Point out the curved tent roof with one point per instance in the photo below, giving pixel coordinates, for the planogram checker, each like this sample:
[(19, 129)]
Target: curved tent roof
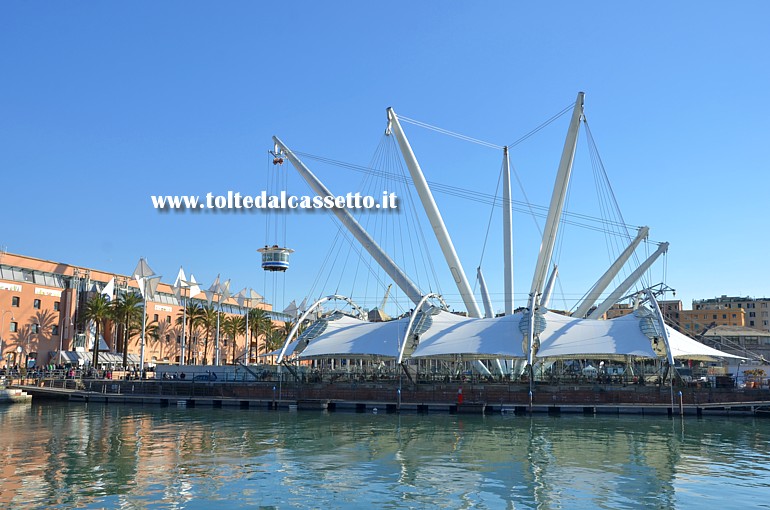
[(571, 337), (684, 347), (451, 334), (563, 337), (348, 337)]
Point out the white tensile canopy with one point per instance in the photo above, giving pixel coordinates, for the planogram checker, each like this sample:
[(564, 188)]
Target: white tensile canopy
[(450, 335), (684, 347), (570, 337), (348, 337)]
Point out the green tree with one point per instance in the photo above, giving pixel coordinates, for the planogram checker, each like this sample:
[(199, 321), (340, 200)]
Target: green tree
[(97, 309), (259, 324), (208, 321), (274, 338), (233, 326), (193, 313), (127, 313)]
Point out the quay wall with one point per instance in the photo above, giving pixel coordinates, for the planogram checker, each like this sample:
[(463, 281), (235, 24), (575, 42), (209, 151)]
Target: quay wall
[(498, 395)]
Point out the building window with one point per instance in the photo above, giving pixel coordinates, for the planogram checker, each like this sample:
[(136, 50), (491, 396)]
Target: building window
[(55, 330), (714, 317), (168, 338), (168, 319), (752, 314), (751, 323), (155, 317), (14, 327), (734, 316), (15, 301), (55, 306), (35, 328), (686, 326), (36, 304), (724, 315)]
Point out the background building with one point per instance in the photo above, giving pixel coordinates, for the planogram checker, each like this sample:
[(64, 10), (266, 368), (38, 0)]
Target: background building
[(757, 309), (40, 310), (741, 341)]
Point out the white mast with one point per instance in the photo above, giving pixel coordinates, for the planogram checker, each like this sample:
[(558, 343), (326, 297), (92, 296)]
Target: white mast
[(546, 298), (557, 199), (507, 235), (434, 215), (627, 283), (488, 310), (552, 222), (607, 277), (664, 332), (399, 277)]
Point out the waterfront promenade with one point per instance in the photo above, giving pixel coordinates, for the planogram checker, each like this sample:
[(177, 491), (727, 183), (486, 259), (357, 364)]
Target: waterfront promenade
[(395, 396)]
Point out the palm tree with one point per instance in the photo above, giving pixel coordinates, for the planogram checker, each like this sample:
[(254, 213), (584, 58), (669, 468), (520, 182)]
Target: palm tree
[(97, 309), (127, 313), (274, 338), (259, 322), (193, 311), (208, 320), (234, 325)]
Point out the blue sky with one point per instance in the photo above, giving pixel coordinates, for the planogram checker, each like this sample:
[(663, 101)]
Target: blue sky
[(104, 104)]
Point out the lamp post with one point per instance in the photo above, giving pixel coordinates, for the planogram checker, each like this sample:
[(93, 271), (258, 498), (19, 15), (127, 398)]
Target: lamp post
[(148, 282), (192, 290), (2, 320), (38, 329), (219, 292)]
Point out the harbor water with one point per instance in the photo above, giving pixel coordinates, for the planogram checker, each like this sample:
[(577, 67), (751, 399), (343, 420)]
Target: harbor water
[(60, 455)]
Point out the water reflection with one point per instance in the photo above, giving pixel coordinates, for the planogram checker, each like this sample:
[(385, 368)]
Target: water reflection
[(94, 456)]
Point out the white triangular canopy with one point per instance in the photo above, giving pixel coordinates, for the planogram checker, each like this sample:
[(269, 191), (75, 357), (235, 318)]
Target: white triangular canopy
[(291, 309), (152, 286), (195, 289), (241, 297), (109, 289), (142, 269), (180, 279)]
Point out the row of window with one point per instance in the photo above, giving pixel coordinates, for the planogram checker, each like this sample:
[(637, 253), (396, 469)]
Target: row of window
[(34, 328), (714, 316), (36, 304), (168, 318), (166, 299), (16, 274), (762, 304)]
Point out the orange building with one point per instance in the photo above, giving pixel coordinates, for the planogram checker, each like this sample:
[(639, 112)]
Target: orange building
[(618, 310), (40, 314), (697, 321)]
